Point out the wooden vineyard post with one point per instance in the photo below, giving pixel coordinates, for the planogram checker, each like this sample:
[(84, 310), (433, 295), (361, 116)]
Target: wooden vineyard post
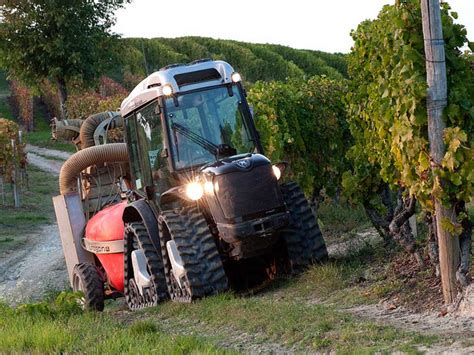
[(16, 186), (449, 250)]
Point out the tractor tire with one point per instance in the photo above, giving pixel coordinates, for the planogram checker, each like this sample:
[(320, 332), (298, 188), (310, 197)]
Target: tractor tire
[(204, 273), (86, 278), (304, 241), (135, 238)]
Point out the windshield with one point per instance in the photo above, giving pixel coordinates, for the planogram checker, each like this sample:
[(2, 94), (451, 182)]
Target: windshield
[(207, 124)]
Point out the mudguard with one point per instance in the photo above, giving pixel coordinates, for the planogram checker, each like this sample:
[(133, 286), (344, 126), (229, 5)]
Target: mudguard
[(140, 211)]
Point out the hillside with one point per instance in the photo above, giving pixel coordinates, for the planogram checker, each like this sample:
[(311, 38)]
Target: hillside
[(254, 61)]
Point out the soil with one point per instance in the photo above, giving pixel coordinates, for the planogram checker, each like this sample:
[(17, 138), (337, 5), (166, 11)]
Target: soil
[(38, 267)]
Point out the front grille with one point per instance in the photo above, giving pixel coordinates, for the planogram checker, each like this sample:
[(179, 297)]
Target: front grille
[(244, 193)]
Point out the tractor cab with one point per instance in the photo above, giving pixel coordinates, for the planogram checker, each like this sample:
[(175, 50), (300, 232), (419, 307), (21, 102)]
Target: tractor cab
[(191, 137)]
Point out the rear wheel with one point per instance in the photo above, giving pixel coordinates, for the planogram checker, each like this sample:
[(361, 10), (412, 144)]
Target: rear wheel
[(192, 263), (303, 238), (144, 284), (86, 278)]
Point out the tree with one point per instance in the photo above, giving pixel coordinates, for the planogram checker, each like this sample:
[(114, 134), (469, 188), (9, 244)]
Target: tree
[(57, 40)]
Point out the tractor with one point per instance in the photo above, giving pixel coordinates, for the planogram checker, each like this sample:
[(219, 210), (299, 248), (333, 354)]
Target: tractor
[(188, 206)]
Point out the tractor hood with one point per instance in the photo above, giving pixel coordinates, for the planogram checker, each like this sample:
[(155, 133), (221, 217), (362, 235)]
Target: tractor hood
[(236, 163)]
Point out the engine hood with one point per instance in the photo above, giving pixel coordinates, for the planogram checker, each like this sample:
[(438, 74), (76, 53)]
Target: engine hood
[(236, 163)]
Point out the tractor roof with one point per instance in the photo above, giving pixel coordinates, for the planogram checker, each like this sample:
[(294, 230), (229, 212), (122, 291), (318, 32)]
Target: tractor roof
[(181, 78)]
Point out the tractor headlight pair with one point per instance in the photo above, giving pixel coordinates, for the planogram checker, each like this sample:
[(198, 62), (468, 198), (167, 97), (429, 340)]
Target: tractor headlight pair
[(195, 190)]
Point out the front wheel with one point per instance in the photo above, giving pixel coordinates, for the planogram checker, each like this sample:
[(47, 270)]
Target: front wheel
[(86, 278), (304, 241)]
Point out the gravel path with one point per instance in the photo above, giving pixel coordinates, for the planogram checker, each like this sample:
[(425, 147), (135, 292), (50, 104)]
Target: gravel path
[(47, 152), (35, 269), (38, 266)]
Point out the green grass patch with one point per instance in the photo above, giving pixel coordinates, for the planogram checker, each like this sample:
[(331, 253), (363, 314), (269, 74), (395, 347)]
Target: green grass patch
[(60, 327), (36, 209), (338, 219), (41, 137)]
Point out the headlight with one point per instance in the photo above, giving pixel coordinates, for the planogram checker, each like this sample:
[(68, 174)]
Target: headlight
[(236, 77), (276, 172), (208, 187), (194, 191), (167, 90)]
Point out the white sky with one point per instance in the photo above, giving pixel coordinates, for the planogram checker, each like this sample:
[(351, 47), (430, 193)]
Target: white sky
[(307, 24)]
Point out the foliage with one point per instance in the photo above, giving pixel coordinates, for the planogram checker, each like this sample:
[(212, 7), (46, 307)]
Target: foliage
[(8, 132), (22, 100), (387, 108), (49, 95), (131, 80), (254, 61), (65, 305), (109, 87), (63, 39), (303, 122), (82, 106), (57, 40)]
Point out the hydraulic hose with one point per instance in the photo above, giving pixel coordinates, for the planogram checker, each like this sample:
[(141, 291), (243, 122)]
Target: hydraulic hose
[(107, 153), (89, 126)]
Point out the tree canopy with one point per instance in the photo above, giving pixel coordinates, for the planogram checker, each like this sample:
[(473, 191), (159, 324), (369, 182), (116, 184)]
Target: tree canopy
[(57, 39)]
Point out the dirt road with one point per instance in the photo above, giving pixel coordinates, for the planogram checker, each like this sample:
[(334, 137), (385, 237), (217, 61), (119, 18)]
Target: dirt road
[(38, 266)]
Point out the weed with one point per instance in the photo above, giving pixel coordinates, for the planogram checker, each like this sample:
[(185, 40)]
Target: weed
[(142, 327)]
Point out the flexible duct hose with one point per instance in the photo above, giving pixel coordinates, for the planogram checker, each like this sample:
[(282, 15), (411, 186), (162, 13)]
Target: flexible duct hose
[(107, 153), (66, 129), (89, 126)]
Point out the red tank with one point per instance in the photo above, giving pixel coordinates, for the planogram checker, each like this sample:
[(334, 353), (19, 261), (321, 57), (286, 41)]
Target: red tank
[(107, 225)]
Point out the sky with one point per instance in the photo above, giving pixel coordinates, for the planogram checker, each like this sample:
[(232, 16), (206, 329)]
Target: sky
[(305, 24)]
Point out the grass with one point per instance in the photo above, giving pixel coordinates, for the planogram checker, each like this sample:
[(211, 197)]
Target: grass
[(60, 327), (41, 136), (338, 219), (36, 209), (297, 315)]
